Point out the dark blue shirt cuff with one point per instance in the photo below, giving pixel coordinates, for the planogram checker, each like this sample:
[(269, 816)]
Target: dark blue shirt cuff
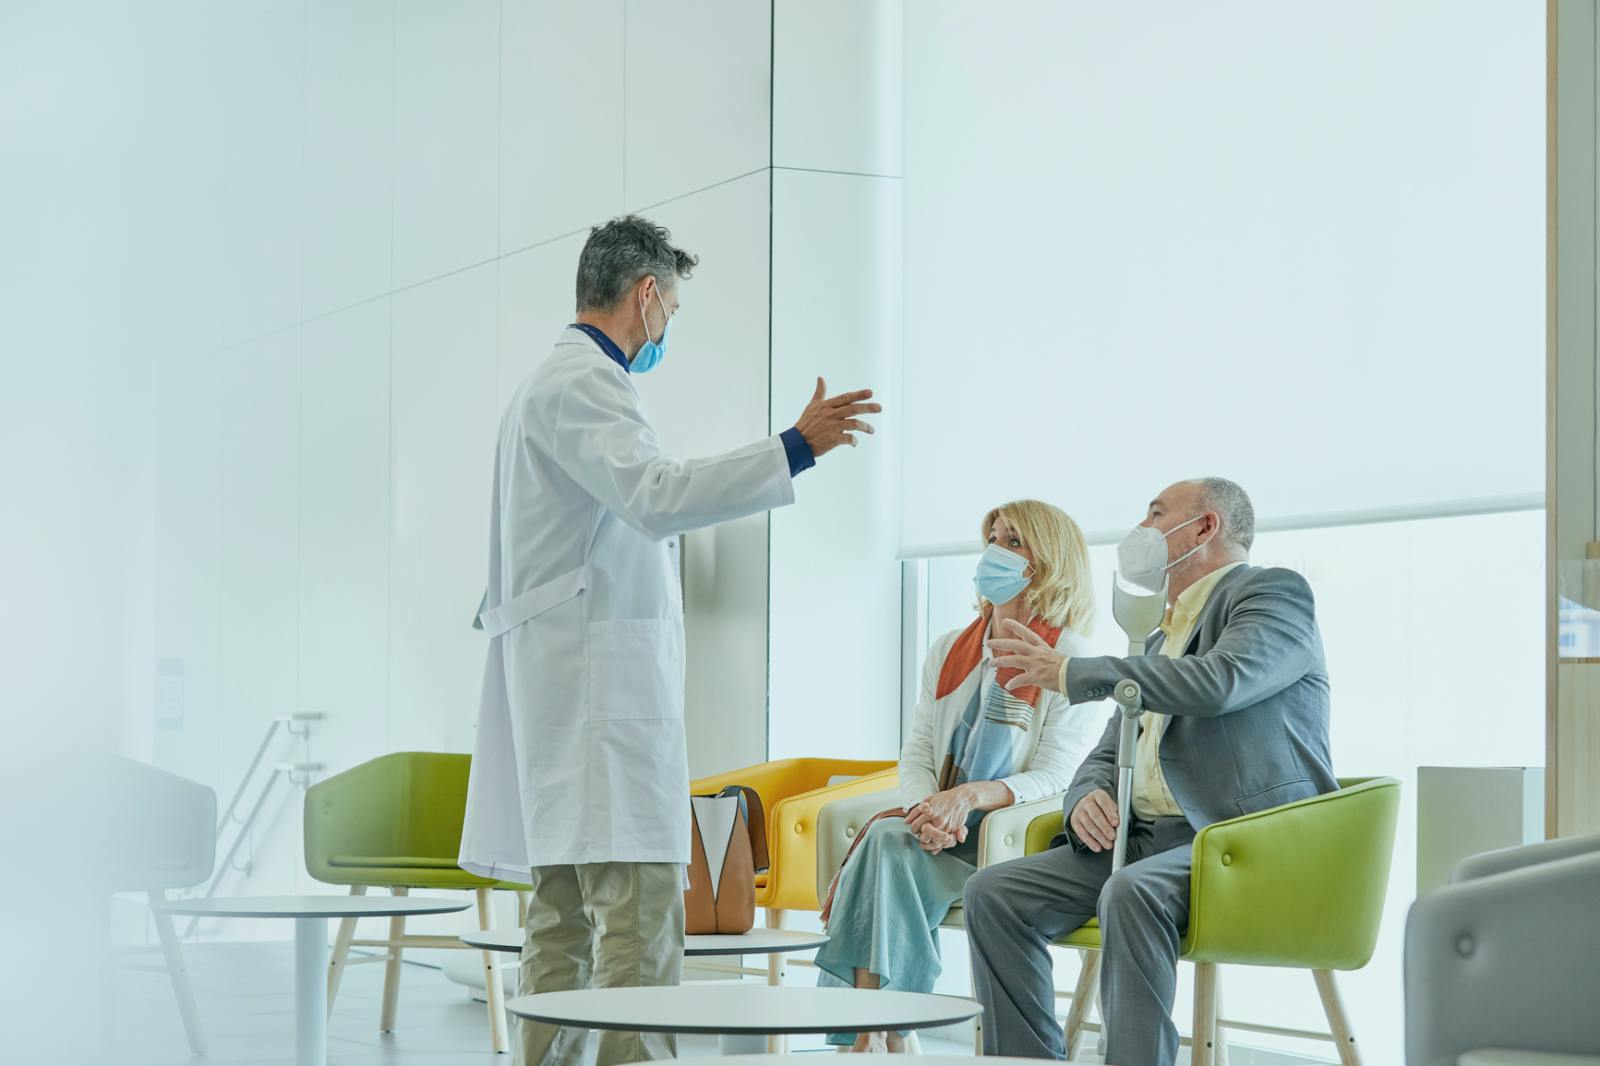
[(800, 455)]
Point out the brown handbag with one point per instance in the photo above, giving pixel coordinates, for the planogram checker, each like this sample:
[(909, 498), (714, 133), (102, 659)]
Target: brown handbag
[(728, 833)]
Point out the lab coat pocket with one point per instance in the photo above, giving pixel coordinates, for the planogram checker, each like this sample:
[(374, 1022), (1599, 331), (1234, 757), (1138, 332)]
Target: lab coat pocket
[(635, 669)]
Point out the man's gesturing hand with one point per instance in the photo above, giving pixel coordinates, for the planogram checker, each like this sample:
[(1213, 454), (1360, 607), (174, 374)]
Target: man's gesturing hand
[(829, 422), (1094, 820), (1020, 648)]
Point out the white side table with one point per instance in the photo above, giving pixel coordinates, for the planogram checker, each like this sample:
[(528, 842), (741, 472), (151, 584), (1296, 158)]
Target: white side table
[(922, 1060), (311, 914), (744, 1015), (755, 942)]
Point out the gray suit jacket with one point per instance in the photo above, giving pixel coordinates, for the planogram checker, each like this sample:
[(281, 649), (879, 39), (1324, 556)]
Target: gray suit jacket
[(1248, 700)]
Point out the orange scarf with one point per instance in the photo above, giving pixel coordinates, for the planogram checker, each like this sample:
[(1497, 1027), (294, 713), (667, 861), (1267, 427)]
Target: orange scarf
[(967, 652)]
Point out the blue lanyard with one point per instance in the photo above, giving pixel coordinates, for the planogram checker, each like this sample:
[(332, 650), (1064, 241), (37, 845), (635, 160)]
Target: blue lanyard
[(606, 344)]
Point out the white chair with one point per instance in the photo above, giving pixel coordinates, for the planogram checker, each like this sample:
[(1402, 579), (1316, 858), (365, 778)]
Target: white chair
[(163, 839)]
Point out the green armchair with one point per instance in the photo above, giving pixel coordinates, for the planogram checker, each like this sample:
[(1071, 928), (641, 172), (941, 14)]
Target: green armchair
[(1255, 880), (395, 822)]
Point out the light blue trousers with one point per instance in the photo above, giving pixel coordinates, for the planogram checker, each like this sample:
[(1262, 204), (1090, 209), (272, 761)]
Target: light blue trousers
[(887, 909)]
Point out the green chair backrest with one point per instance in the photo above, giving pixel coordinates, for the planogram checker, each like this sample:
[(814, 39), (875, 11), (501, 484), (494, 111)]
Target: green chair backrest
[(407, 804), (1042, 830), (1300, 885)]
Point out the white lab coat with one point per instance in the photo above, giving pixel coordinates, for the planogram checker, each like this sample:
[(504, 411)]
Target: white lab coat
[(580, 754)]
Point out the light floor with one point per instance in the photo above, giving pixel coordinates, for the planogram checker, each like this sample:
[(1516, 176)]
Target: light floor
[(247, 1008)]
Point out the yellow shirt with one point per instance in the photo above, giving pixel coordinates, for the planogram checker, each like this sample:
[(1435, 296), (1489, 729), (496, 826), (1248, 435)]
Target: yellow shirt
[(1151, 797)]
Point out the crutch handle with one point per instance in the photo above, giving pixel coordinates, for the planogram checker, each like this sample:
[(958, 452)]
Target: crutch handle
[(1129, 697), (1130, 701)]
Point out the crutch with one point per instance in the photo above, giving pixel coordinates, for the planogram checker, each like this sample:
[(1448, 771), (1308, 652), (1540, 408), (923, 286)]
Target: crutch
[(1137, 614)]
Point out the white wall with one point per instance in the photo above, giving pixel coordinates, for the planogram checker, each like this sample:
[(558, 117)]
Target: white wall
[(1326, 230), (77, 284), (836, 266), (711, 397), (381, 243)]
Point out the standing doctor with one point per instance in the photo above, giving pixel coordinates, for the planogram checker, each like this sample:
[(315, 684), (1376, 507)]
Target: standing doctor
[(580, 778)]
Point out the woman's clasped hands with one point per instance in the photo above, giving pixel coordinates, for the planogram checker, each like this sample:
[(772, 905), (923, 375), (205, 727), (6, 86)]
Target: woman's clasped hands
[(940, 821)]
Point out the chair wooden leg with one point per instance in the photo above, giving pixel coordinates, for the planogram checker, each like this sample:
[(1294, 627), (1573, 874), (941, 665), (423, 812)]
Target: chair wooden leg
[(1338, 1020), (179, 974), (1203, 1047), (341, 950), (1219, 1036), (977, 1023), (524, 901), (1084, 994), (391, 969), (776, 972), (491, 977)]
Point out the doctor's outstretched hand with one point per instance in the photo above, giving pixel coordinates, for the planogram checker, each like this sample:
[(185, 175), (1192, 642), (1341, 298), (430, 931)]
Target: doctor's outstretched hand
[(1025, 650), (829, 422)]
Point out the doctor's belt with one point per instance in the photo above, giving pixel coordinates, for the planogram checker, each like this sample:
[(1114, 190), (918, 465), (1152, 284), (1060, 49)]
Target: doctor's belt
[(537, 600)]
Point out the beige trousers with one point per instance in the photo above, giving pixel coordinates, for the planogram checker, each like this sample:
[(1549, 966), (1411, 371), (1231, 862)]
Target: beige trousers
[(600, 925)]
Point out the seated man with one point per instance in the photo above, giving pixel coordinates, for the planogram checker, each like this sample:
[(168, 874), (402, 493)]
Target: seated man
[(1237, 692)]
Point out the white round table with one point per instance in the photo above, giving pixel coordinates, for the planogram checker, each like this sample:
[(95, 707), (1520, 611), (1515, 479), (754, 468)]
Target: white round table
[(744, 1015), (755, 942), (311, 914), (922, 1060)]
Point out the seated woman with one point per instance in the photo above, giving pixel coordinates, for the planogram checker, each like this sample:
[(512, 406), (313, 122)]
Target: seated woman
[(974, 747)]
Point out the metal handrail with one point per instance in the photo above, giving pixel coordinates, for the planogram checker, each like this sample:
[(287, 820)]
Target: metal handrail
[(296, 724)]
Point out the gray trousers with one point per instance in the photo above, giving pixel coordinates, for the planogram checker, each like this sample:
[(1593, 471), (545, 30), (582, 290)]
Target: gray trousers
[(600, 925), (1015, 910)]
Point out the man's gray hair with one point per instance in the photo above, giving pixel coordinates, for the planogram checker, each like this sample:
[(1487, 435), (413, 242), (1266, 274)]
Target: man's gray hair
[(1232, 505), (621, 252)]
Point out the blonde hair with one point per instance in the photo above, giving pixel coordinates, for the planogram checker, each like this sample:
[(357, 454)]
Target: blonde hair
[(1061, 591)]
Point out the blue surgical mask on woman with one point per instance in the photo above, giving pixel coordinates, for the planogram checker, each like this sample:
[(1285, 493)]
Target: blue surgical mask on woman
[(650, 355), (1001, 576)]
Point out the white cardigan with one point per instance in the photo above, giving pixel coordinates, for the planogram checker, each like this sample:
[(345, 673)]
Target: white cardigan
[(1048, 754)]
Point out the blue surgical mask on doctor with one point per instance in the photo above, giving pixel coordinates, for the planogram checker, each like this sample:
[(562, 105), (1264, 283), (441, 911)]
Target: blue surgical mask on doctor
[(1001, 576), (651, 354)]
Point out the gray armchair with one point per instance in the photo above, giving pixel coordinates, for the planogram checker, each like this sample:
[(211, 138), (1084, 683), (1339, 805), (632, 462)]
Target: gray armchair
[(162, 836), (1502, 966)]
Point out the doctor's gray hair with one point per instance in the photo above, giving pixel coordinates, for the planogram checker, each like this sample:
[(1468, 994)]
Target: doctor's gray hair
[(1232, 505), (622, 251)]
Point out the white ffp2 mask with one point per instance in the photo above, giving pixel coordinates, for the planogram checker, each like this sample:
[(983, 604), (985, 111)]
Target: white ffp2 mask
[(1142, 555)]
